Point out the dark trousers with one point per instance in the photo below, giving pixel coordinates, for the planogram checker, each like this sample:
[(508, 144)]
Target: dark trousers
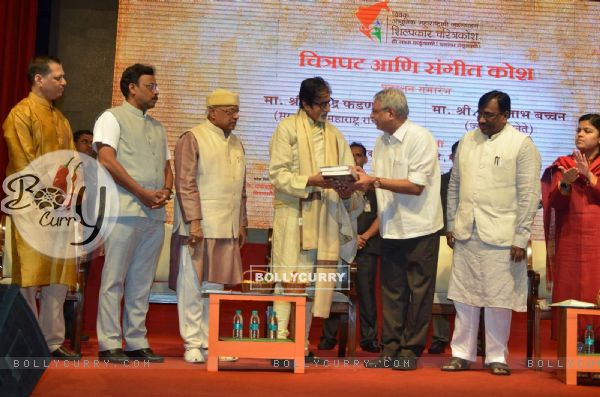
[(441, 329), (365, 289), (408, 272)]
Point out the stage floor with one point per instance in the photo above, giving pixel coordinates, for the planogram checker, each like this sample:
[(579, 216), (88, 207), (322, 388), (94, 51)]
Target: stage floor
[(252, 377)]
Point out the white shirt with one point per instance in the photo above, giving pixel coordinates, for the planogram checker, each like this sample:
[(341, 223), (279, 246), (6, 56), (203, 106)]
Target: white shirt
[(108, 132), (410, 153)]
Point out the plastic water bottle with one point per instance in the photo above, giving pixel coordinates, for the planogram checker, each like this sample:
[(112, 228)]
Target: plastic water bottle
[(273, 326), (254, 325), (588, 340), (238, 325)]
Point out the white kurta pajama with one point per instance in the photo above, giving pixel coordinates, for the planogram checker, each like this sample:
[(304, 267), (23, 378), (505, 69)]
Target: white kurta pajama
[(492, 199), (298, 148), (210, 182)]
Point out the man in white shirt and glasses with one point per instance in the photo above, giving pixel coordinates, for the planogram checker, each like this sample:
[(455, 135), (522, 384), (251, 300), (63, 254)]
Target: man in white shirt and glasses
[(406, 176)]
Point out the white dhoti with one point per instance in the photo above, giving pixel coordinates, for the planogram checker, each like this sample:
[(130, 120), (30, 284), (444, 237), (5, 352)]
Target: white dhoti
[(483, 275), (283, 309), (192, 307)]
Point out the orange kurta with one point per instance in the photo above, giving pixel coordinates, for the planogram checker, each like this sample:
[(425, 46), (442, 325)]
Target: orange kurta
[(33, 128)]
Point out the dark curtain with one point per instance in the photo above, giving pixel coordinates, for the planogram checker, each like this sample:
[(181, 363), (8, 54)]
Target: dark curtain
[(18, 19)]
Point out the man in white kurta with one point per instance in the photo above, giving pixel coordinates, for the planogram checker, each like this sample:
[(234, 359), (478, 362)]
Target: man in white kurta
[(210, 216), (493, 196), (312, 226)]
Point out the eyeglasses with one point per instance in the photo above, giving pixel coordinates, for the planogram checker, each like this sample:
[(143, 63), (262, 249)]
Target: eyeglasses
[(152, 87), (375, 111), (323, 105), (229, 111), (487, 115)]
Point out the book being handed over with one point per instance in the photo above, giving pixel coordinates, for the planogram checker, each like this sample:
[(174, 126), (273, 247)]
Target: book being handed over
[(344, 174)]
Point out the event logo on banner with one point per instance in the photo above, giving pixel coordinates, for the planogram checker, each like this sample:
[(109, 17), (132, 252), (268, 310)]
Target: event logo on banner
[(368, 16), (63, 203)]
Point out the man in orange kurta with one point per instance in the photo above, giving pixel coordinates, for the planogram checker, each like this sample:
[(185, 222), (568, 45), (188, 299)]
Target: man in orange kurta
[(33, 128)]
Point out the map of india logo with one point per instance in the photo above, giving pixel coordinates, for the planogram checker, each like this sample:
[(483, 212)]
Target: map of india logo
[(370, 26)]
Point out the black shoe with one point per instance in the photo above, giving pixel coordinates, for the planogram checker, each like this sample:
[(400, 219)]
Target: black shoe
[(437, 347), (64, 353), (145, 354), (381, 362), (113, 356), (326, 344), (311, 358), (370, 346)]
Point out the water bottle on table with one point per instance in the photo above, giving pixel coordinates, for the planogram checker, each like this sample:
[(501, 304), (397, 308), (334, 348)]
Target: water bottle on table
[(588, 340), (273, 326), (238, 325), (254, 325)]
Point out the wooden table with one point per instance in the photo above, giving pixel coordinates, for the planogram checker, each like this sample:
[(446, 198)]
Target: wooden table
[(571, 362), (286, 349)]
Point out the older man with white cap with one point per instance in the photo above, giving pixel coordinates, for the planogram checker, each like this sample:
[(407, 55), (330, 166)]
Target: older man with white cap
[(210, 216)]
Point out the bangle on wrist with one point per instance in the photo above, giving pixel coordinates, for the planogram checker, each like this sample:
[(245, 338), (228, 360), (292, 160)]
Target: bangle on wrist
[(564, 186)]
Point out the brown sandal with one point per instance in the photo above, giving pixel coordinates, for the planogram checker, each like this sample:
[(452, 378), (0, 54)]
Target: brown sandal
[(456, 364)]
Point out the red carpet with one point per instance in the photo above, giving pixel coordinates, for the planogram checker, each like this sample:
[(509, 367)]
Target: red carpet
[(255, 377)]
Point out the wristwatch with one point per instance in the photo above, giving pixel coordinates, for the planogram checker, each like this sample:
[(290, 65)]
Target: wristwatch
[(377, 183)]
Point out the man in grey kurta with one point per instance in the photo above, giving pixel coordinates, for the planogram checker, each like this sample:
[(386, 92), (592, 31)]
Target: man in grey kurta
[(210, 216), (493, 196), (133, 147)]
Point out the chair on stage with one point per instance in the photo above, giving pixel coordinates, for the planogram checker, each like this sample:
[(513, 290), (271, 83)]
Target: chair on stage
[(344, 306), (538, 295), (160, 292)]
